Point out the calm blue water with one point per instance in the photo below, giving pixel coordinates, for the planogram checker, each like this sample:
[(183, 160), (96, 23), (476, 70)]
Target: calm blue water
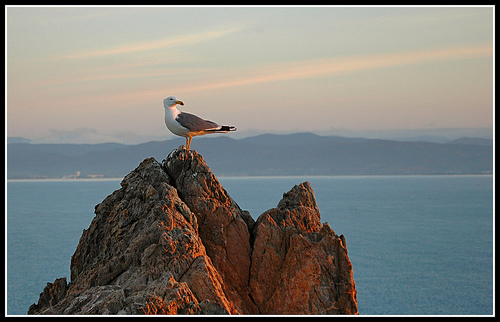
[(418, 244)]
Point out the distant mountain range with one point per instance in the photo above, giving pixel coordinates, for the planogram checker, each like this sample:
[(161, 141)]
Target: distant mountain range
[(263, 155)]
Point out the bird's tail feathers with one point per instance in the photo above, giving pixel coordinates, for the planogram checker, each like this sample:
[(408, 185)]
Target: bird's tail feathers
[(224, 129), (227, 128)]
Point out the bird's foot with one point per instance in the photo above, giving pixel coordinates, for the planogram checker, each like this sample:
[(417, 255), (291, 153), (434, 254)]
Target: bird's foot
[(186, 152)]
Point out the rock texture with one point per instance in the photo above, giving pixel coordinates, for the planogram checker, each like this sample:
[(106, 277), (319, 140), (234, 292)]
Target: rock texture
[(223, 226), (172, 241)]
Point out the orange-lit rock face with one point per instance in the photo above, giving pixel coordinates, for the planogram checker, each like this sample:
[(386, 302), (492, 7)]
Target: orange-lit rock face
[(298, 265), (172, 241)]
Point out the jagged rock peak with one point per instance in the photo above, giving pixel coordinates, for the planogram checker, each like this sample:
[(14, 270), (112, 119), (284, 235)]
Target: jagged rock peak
[(172, 241), (301, 195), (299, 209)]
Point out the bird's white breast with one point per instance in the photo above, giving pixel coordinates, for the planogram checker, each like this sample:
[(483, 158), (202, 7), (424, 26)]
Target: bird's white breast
[(172, 124)]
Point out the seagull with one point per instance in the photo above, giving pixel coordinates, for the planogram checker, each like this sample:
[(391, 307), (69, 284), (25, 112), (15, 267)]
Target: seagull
[(189, 125)]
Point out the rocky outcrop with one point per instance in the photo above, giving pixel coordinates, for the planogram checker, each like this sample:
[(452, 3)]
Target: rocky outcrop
[(172, 241), (299, 265)]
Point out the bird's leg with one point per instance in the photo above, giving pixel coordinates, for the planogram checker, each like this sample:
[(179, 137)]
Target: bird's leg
[(188, 145)]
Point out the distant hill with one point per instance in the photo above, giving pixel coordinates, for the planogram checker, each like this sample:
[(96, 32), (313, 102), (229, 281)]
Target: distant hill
[(262, 155), (16, 139), (473, 141)]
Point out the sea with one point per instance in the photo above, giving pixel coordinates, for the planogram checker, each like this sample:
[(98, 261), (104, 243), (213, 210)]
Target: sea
[(419, 245)]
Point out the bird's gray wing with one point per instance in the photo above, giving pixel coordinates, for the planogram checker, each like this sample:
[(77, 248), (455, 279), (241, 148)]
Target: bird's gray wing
[(195, 123)]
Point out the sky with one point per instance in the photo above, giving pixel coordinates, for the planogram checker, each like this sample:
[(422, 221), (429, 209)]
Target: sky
[(100, 74)]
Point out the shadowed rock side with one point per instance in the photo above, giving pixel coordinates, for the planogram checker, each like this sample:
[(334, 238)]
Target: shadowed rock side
[(172, 241)]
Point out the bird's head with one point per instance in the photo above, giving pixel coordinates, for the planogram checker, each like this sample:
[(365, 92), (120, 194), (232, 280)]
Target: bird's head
[(171, 101)]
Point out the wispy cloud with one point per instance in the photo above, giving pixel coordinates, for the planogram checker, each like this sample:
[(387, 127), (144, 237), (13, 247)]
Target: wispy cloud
[(278, 72), (338, 66), (289, 71), (184, 40)]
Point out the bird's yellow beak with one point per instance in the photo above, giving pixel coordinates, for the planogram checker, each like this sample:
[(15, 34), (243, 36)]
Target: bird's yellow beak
[(179, 102)]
